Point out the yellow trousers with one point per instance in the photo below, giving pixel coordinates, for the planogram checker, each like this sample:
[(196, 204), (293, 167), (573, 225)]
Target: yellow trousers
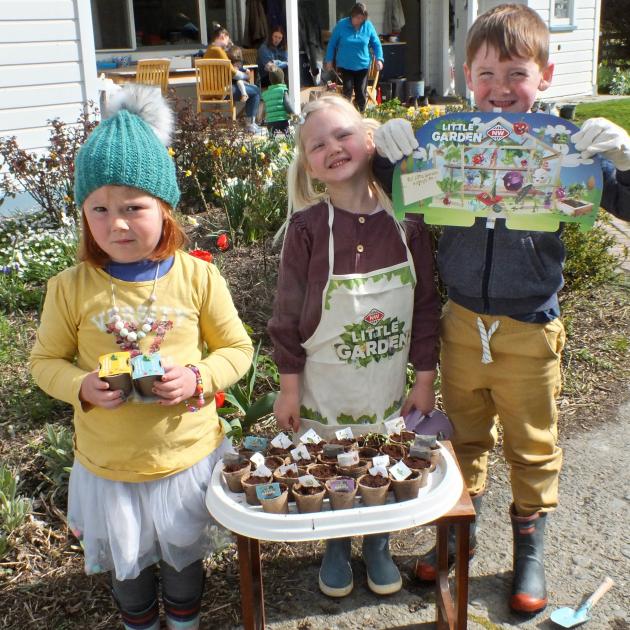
[(519, 384)]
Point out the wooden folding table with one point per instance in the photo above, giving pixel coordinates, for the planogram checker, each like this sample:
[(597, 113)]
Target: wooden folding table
[(251, 525)]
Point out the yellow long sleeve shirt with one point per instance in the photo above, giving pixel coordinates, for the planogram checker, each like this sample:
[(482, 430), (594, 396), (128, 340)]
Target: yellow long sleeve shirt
[(140, 442)]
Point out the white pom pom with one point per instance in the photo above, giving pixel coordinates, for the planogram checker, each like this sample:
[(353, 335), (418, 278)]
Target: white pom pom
[(147, 102)]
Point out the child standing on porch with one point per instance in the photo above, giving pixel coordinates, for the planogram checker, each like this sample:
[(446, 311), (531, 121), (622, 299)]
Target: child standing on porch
[(138, 483), (345, 258), (501, 332)]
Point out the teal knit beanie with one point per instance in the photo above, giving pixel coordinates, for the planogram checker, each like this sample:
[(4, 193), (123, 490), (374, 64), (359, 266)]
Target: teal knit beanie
[(128, 147)]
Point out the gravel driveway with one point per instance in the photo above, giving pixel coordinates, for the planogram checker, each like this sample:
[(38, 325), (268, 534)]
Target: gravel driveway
[(587, 538)]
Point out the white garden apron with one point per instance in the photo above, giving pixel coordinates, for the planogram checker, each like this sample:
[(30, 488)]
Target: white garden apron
[(356, 359)]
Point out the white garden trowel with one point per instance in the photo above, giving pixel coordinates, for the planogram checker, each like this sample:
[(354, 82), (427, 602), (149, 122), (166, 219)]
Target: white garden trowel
[(567, 617)]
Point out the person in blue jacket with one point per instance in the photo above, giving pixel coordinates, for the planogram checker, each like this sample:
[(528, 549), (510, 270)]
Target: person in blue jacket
[(349, 47), (272, 54)]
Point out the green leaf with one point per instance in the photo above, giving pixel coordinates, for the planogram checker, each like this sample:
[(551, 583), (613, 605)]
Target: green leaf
[(262, 407)]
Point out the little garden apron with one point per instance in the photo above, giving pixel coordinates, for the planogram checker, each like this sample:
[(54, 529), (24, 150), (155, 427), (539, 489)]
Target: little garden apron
[(356, 359)]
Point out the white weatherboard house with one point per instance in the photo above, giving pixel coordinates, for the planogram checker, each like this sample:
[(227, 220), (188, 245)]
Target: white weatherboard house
[(49, 48)]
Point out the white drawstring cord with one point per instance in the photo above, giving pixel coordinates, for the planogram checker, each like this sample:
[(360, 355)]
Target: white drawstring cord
[(485, 335)]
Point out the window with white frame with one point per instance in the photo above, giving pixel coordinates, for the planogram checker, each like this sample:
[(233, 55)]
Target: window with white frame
[(562, 14), (133, 24)]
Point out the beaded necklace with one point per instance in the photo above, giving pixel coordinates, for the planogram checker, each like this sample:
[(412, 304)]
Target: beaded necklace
[(129, 333)]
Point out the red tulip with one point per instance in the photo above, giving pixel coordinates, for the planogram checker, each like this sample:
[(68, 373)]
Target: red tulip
[(223, 242), (202, 254), (219, 399)]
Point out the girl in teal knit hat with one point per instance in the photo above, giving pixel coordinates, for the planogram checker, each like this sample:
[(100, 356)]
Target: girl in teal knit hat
[(136, 497)]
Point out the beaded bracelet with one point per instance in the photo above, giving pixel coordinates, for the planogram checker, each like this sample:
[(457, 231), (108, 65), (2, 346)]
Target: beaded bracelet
[(198, 389)]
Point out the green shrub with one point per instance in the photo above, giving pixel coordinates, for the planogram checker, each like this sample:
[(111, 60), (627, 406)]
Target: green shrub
[(13, 508), (604, 78), (48, 177), (590, 261), (58, 453), (620, 82), (33, 248)]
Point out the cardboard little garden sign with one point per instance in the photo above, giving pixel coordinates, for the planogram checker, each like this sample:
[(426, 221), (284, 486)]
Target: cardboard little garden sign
[(519, 167)]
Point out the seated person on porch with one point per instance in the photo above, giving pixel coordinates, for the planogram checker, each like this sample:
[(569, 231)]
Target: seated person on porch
[(219, 42), (273, 52), (235, 55)]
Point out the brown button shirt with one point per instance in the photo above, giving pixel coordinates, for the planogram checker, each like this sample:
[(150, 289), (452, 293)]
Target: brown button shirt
[(363, 243)]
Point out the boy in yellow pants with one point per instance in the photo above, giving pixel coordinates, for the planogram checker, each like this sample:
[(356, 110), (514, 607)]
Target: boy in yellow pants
[(501, 333)]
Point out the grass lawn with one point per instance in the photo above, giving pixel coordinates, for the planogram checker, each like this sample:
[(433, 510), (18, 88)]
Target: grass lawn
[(616, 110)]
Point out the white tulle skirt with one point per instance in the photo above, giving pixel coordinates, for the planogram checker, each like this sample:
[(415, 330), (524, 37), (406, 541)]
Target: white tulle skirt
[(126, 527)]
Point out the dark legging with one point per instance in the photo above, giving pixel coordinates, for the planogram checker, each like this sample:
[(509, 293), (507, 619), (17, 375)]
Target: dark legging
[(355, 80), (181, 592)]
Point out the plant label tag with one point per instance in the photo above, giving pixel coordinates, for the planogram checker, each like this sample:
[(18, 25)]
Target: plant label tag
[(421, 452), (400, 471), (341, 485), (281, 441), (310, 437), (268, 491), (262, 471), (285, 468), (378, 470), (428, 441), (344, 434), (230, 459), (348, 459), (255, 443), (395, 425), (308, 481), (332, 450), (300, 452), (380, 460), (258, 459)]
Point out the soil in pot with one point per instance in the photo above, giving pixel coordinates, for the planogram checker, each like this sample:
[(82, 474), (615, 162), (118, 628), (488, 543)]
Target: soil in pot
[(289, 477), (341, 492), (280, 452), (274, 461), (374, 440), (395, 451), (405, 437), (407, 489), (233, 474), (321, 472), (354, 471), (373, 489), (249, 486), (277, 505), (415, 463), (315, 449), (367, 452), (246, 453), (308, 498), (347, 443)]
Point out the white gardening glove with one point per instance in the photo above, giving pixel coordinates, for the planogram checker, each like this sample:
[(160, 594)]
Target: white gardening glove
[(599, 135), (395, 139)]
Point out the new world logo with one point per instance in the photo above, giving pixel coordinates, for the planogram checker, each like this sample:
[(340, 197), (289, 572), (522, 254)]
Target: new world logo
[(498, 132)]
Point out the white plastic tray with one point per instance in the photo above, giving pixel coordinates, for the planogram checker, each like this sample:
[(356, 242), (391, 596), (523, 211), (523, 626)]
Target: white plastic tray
[(441, 493)]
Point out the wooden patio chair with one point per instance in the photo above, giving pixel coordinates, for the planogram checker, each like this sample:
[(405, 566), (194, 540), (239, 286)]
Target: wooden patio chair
[(250, 56), (154, 72), (372, 82), (214, 84)]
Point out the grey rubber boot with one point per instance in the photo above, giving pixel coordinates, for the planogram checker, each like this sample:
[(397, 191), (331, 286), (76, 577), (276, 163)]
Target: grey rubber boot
[(529, 591), (426, 565), (335, 574), (382, 573)]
